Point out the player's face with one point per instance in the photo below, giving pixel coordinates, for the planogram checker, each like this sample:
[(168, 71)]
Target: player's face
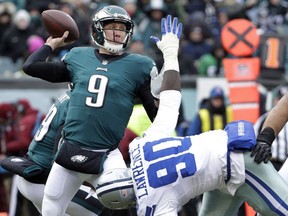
[(115, 32)]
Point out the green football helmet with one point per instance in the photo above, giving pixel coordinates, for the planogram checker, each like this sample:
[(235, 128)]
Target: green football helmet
[(110, 14), (115, 189)]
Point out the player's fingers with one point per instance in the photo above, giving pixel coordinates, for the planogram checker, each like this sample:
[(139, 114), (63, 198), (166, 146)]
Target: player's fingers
[(254, 151), (268, 157), (257, 157), (163, 26), (65, 35), (179, 30), (174, 27), (154, 39), (169, 23)]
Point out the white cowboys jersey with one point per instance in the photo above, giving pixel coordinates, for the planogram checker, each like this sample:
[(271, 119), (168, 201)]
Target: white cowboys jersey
[(168, 172)]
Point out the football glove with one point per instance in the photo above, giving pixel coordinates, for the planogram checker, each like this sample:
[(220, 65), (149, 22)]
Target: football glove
[(261, 152), (169, 43), (262, 149)]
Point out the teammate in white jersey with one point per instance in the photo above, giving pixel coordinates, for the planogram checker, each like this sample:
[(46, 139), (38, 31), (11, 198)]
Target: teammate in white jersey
[(166, 172)]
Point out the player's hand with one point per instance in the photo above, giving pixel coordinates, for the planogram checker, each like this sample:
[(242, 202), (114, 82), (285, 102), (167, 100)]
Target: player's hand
[(58, 42), (261, 152), (169, 45), (171, 33)]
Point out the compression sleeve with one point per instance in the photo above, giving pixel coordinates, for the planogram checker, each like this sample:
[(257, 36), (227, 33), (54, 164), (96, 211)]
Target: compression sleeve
[(36, 66), (144, 93)]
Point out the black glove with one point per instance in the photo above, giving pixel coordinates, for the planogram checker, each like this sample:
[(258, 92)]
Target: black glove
[(262, 152), (262, 149)]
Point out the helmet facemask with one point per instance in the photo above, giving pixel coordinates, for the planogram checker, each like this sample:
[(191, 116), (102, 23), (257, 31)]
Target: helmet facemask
[(111, 14)]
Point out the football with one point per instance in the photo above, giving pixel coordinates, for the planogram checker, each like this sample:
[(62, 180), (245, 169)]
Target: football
[(56, 22)]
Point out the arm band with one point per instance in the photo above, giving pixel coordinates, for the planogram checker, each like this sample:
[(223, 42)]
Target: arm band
[(267, 135)]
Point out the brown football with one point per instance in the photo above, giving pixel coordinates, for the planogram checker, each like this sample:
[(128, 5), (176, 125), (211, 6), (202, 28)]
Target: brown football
[(56, 22)]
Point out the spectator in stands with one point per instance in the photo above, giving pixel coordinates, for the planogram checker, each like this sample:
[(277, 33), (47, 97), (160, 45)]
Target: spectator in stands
[(35, 11), (271, 16), (7, 10), (137, 46), (216, 26), (34, 42), (177, 8), (279, 147), (29, 120), (14, 40), (83, 21), (210, 64), (192, 49), (7, 120), (136, 14), (151, 25), (235, 8), (214, 114)]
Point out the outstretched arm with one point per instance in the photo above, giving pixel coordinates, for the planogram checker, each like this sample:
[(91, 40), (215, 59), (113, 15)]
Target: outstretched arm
[(167, 84), (169, 45), (273, 124), (36, 65)]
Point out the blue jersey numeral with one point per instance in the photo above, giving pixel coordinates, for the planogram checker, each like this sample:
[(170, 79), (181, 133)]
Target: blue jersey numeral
[(170, 160)]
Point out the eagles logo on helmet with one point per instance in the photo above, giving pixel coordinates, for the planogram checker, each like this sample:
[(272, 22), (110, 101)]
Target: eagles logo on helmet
[(107, 14), (115, 189)]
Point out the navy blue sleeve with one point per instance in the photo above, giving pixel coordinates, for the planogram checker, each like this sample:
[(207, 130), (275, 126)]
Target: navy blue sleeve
[(36, 66), (144, 94)]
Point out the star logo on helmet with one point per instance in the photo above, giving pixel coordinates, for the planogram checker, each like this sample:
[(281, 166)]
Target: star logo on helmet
[(125, 193), (79, 158)]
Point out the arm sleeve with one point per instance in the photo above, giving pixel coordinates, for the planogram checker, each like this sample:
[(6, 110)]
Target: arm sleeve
[(144, 93), (36, 66)]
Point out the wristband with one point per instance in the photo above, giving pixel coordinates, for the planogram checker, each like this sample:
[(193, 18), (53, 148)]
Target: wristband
[(267, 135), (171, 62)]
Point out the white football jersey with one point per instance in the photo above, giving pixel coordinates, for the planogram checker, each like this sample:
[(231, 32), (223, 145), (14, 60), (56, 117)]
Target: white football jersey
[(168, 172)]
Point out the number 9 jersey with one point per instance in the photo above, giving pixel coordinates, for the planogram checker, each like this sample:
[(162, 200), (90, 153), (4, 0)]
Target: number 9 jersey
[(168, 172), (103, 95)]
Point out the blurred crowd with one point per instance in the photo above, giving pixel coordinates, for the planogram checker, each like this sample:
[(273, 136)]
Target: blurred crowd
[(201, 51)]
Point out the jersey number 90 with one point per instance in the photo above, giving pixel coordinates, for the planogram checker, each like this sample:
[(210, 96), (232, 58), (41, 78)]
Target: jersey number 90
[(168, 160)]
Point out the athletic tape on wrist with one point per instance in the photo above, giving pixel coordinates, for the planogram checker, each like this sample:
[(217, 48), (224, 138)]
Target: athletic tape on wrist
[(171, 62)]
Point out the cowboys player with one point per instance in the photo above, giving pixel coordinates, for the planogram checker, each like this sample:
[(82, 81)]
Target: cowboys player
[(105, 83), (168, 171)]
